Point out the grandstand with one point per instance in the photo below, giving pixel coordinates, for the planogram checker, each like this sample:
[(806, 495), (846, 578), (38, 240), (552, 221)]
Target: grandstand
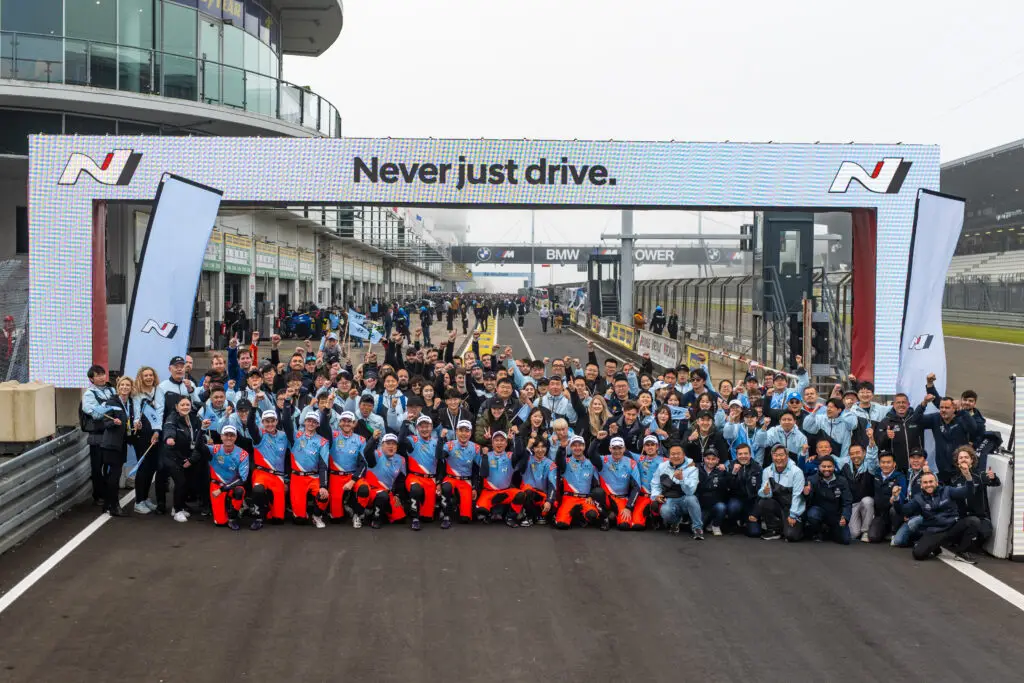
[(991, 265)]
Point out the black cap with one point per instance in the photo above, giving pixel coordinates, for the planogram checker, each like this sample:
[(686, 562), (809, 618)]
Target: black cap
[(372, 374), (243, 404), (748, 412), (711, 451), (489, 375), (917, 451), (177, 360), (705, 413), (496, 402), (415, 400)]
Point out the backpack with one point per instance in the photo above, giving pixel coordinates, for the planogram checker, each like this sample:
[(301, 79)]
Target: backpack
[(86, 422)]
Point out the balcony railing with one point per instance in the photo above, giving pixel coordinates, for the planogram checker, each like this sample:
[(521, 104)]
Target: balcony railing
[(69, 61)]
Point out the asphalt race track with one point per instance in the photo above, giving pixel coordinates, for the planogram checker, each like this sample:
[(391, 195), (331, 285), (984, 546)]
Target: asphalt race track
[(146, 599), (985, 367)]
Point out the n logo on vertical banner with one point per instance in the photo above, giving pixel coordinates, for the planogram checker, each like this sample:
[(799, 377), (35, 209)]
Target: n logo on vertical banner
[(165, 330)]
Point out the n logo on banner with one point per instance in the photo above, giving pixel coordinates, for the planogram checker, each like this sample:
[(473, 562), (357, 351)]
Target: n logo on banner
[(886, 178), (921, 342), (165, 330), (117, 168)]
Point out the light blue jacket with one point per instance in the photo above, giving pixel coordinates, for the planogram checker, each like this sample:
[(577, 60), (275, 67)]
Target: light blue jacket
[(690, 477), (792, 477), (794, 440), (839, 430)]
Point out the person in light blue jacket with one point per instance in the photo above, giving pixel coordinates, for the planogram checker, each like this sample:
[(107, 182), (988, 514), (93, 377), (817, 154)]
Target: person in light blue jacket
[(832, 420), (786, 434), (673, 488), (781, 494)]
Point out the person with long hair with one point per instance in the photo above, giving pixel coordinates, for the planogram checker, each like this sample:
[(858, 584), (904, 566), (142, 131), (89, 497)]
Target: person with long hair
[(597, 416), (144, 397), (119, 424)]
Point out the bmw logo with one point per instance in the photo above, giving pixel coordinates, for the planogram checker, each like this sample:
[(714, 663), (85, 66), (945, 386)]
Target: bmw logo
[(483, 254), (713, 255)]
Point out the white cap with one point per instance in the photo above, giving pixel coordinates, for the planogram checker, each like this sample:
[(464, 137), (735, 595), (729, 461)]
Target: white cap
[(312, 415), (736, 402), (650, 438), (659, 385), (424, 418), (390, 437), (617, 441), (228, 429), (268, 415), (348, 415), (464, 423), (498, 433), (576, 438)]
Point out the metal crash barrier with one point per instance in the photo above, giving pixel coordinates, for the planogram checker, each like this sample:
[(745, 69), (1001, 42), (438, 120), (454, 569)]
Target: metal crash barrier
[(40, 485)]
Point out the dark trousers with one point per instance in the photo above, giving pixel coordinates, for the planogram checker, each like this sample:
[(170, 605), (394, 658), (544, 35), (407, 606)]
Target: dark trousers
[(144, 475), (171, 470), (739, 512), (544, 324), (884, 524), (465, 325), (773, 518), (957, 538), (96, 472), (820, 519), (110, 469)]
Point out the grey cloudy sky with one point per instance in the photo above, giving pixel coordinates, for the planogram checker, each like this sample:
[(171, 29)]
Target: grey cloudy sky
[(943, 72)]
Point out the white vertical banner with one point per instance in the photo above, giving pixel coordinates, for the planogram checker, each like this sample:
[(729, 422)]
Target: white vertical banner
[(160, 317), (938, 221)]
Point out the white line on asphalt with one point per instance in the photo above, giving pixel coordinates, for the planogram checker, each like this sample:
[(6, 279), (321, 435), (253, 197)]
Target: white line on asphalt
[(523, 337), (985, 579), (42, 570), (601, 348), (984, 341)]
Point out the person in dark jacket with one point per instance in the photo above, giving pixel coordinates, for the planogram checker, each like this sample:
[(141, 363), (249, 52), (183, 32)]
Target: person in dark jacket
[(976, 504), (119, 426), (713, 484), (182, 437), (744, 480), (951, 427), (673, 326), (899, 432), (942, 525), (658, 320), (860, 473), (886, 520), (829, 503), (703, 437)]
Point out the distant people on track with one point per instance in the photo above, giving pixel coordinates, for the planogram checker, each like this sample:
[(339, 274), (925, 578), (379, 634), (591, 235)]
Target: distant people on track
[(673, 326), (638, 320), (424, 435), (657, 320)]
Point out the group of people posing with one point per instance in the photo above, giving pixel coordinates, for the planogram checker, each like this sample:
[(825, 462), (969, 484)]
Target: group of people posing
[(425, 435)]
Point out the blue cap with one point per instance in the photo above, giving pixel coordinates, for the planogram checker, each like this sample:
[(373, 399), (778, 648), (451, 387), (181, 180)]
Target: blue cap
[(793, 396)]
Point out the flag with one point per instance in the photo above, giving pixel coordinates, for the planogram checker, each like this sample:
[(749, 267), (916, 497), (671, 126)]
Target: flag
[(357, 325)]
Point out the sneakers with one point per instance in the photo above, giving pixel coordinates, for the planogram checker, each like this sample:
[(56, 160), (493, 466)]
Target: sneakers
[(965, 557), (114, 512), (357, 522), (153, 507), (542, 521), (511, 522), (771, 536), (605, 524), (180, 516), (415, 526), (233, 525), (698, 534), (375, 523), (318, 521), (864, 538), (446, 523), (141, 509), (256, 525), (526, 522), (673, 529), (716, 530)]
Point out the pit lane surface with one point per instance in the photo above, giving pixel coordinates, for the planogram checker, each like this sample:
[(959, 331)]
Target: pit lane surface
[(149, 599)]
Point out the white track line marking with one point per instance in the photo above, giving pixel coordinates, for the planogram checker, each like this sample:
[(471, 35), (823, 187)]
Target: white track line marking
[(601, 348), (523, 337), (42, 570), (986, 580), (985, 341)]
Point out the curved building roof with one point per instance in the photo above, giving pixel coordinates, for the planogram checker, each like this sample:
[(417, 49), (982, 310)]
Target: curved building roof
[(309, 27)]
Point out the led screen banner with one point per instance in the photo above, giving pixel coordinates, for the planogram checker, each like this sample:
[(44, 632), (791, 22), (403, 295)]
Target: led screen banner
[(66, 173), (173, 251)]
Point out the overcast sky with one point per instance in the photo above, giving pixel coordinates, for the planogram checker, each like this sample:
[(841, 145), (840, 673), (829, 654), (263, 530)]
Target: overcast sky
[(939, 72)]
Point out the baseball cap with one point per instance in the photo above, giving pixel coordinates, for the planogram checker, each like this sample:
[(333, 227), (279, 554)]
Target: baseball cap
[(312, 416), (332, 336), (464, 424), (177, 360), (793, 396), (243, 404), (498, 433), (705, 413), (496, 403), (617, 441), (310, 358), (736, 402), (390, 437), (577, 438), (347, 415), (268, 415), (650, 438), (228, 429)]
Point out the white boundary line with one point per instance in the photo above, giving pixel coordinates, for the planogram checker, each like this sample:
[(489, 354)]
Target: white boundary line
[(523, 337), (986, 580), (601, 348), (42, 570), (985, 341)]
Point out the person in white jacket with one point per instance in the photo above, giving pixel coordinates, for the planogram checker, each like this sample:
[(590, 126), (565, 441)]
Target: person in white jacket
[(673, 487), (781, 493)]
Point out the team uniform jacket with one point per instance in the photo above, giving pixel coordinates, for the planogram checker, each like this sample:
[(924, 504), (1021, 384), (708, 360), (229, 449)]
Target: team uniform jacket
[(424, 456), (791, 479), (578, 477), (228, 468), (459, 460), (389, 473), (539, 474), (310, 455), (346, 452), (270, 451), (495, 470)]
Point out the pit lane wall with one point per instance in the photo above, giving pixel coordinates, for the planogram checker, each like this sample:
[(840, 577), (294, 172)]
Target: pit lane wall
[(1006, 501)]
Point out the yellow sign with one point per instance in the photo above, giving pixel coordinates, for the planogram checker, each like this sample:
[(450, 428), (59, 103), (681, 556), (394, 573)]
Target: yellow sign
[(595, 324), (572, 316), (623, 335), (695, 357), (487, 337)]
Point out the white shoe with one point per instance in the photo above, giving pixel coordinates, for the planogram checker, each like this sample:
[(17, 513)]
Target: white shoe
[(180, 516), (186, 513), (318, 522), (357, 522), (716, 530), (151, 505), (864, 538), (142, 509)]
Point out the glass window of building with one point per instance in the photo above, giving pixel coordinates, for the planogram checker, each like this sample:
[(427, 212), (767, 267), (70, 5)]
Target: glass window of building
[(16, 126), (88, 125), (252, 18), (133, 128), (211, 58), (90, 52), (135, 36), (179, 66), (32, 48), (234, 59)]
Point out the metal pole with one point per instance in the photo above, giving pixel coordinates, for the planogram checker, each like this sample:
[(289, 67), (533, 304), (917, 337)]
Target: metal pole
[(626, 290), (533, 244), (702, 268)]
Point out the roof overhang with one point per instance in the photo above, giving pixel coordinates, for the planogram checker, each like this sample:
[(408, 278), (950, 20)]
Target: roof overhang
[(309, 27)]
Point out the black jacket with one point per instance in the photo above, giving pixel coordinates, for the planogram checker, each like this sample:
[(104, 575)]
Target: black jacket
[(908, 435), (832, 496), (189, 439), (116, 437), (695, 449), (976, 503), (713, 487), (745, 483), (862, 484)]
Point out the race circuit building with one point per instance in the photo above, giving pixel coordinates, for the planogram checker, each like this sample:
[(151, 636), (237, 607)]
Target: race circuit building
[(194, 68), (992, 182)]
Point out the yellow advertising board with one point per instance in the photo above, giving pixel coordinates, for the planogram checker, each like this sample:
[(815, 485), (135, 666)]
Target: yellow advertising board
[(623, 335), (695, 356), (595, 324)]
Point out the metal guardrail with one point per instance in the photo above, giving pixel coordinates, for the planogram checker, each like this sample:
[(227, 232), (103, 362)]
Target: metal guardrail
[(40, 485), (986, 318)]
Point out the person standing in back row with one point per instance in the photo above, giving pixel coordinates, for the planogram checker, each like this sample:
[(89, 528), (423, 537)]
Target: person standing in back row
[(544, 313)]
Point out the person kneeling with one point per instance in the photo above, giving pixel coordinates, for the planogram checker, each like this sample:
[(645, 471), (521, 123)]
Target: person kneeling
[(229, 470), (781, 493), (495, 495), (713, 490), (307, 487), (744, 482), (620, 484), (941, 524), (385, 474), (829, 503), (537, 489), (673, 487), (578, 476)]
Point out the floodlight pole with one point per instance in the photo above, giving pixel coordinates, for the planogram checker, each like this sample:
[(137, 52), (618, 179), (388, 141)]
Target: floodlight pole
[(626, 276)]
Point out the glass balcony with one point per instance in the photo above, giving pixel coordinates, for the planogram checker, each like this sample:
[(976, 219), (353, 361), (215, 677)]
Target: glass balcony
[(55, 59)]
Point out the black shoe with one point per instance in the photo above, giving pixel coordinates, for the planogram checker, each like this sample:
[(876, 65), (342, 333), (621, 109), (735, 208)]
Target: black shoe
[(375, 523), (256, 525), (605, 524), (233, 525), (965, 557), (114, 512), (415, 524), (446, 523), (511, 522), (160, 510)]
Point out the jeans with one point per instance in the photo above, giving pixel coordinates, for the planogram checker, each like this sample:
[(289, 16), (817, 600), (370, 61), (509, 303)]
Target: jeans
[(674, 510), (426, 335), (715, 513), (740, 511), (862, 516), (818, 517), (908, 531)]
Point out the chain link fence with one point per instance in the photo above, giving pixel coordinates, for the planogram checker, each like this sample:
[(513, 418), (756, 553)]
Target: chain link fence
[(979, 293)]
